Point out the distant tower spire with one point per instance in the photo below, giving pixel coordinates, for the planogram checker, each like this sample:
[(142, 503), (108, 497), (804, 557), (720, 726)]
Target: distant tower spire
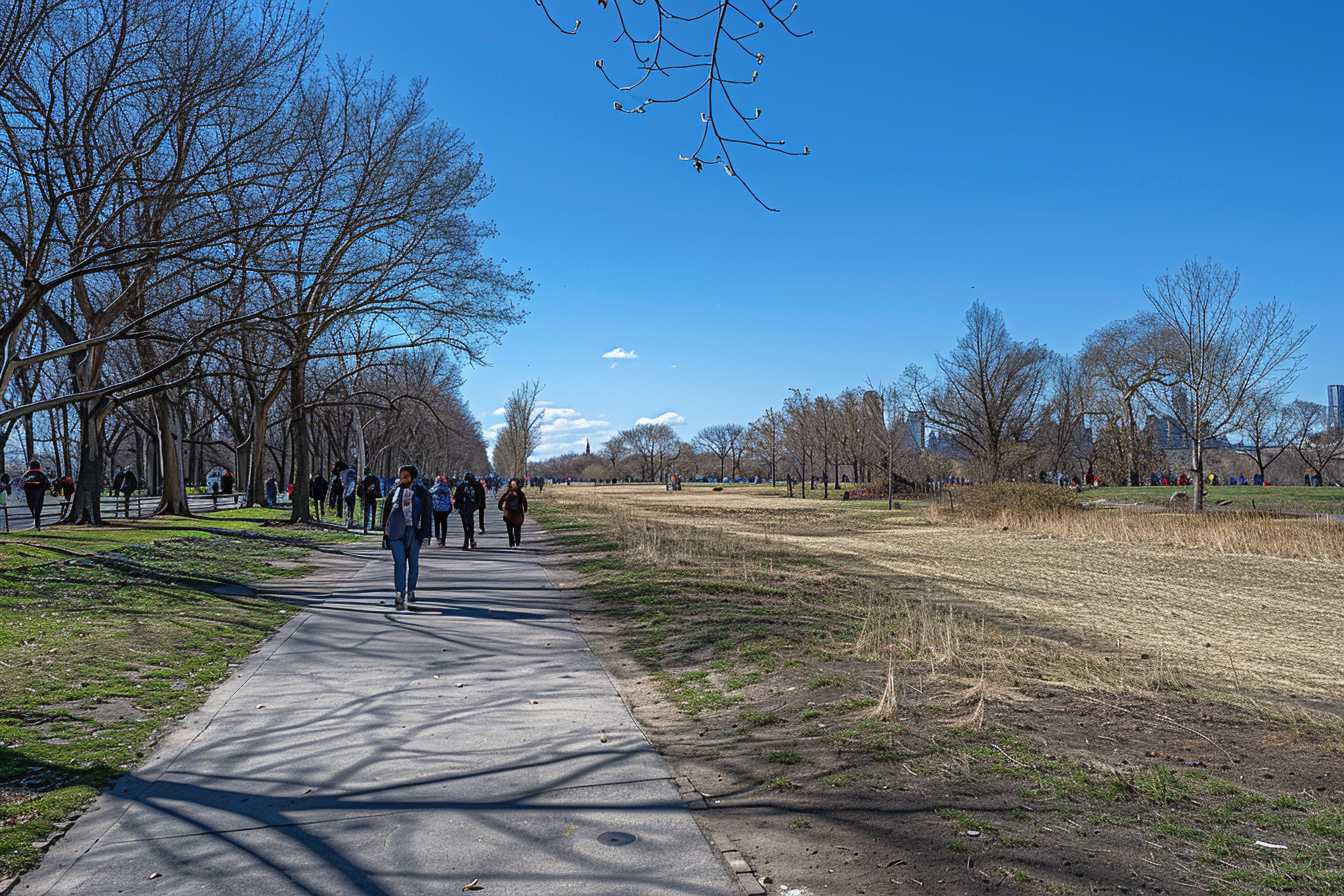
[(587, 446)]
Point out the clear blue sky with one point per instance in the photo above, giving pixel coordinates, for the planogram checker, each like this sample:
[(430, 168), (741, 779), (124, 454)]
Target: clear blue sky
[(1049, 161)]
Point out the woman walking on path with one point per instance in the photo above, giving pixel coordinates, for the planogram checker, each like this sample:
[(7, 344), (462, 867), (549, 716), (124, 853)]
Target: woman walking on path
[(406, 523), (514, 505), (465, 501), (441, 496)]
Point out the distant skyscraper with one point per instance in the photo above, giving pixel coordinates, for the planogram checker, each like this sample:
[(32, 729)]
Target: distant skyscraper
[(1335, 406)]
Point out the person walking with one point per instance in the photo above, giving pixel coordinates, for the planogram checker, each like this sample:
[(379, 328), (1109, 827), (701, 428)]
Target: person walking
[(36, 484), (125, 484), (370, 490), (513, 503), (465, 501), (317, 489), (406, 524), (480, 503), (335, 495), (227, 482), (349, 486), (442, 498)]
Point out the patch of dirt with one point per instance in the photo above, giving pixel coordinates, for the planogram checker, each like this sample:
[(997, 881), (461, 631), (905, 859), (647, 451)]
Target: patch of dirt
[(876, 827)]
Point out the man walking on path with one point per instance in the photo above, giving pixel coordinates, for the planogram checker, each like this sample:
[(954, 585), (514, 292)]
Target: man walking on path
[(406, 524), (125, 485), (465, 501), (370, 490), (35, 488), (442, 496), (317, 490)]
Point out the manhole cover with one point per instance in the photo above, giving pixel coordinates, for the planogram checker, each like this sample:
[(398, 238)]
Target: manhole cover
[(616, 838)]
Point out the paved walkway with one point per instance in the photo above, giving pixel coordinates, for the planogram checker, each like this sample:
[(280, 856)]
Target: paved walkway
[(362, 751)]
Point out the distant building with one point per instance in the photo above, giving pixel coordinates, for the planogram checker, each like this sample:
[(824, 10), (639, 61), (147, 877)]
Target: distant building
[(1334, 406), (1167, 433), (916, 422)]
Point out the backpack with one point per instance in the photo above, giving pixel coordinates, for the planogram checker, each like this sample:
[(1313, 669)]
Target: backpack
[(468, 502)]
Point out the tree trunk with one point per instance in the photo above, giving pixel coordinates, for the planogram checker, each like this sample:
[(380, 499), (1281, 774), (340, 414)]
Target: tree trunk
[(86, 507), (300, 512), (173, 495), (1197, 462)]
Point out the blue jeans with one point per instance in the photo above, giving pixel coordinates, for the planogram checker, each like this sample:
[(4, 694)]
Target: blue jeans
[(406, 560)]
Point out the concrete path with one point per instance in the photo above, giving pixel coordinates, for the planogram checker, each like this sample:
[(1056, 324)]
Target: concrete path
[(363, 751)]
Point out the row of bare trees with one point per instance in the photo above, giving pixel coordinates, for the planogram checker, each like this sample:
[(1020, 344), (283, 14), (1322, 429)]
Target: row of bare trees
[(1212, 370), (211, 235)]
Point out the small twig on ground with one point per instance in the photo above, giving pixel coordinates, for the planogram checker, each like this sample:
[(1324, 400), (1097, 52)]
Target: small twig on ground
[(1167, 719)]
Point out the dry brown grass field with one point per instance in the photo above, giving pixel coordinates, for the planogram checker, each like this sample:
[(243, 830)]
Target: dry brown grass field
[(1005, 690), (1184, 590)]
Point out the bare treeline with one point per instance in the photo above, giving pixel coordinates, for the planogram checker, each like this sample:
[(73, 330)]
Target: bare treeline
[(215, 239), (1213, 371)]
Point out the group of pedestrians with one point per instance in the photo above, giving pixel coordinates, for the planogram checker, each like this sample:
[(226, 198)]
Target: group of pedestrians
[(414, 514)]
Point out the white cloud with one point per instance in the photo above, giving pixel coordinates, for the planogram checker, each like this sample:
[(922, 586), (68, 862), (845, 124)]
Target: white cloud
[(572, 424), (671, 418), (620, 354), (498, 412), (553, 413)]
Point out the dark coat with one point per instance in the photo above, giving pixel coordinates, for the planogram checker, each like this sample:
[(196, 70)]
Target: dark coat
[(464, 499), (422, 518), (370, 489), (318, 487), (514, 505)]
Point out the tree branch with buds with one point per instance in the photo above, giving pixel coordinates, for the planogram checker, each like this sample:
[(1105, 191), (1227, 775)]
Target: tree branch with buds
[(691, 48)]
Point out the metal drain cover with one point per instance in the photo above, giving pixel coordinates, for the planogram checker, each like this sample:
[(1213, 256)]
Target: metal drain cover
[(616, 838)]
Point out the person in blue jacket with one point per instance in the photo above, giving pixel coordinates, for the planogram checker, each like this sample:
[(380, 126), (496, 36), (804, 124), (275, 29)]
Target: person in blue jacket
[(441, 499), (407, 523)]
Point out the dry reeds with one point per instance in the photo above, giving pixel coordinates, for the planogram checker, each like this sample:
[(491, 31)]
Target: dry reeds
[(1051, 511)]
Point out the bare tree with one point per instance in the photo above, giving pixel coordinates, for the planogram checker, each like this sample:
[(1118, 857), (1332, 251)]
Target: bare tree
[(1316, 442), (723, 441), (702, 51), (765, 441), (1216, 355), (1118, 361), (654, 444), (517, 441), (988, 397), (1269, 429)]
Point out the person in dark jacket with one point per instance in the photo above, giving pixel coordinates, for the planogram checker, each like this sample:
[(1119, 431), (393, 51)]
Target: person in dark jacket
[(272, 491), (36, 484), (442, 497), (407, 523), (317, 490), (125, 483), (480, 502), (513, 503), (465, 502), (370, 490), (226, 482), (335, 494)]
